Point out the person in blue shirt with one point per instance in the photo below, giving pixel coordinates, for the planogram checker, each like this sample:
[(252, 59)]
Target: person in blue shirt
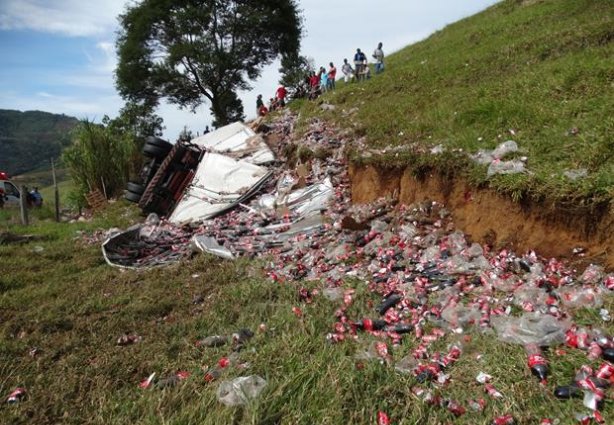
[(37, 198), (360, 61), (323, 80)]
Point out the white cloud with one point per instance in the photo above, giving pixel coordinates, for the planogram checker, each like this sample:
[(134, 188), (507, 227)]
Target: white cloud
[(107, 47), (109, 62), (66, 17)]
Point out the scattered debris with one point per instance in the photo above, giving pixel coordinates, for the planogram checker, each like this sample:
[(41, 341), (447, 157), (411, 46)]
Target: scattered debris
[(240, 390), (580, 173), (128, 339), (17, 395), (9, 238), (505, 167), (425, 279)]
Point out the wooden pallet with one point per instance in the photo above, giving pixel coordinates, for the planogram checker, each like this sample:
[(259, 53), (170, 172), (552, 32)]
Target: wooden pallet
[(96, 200)]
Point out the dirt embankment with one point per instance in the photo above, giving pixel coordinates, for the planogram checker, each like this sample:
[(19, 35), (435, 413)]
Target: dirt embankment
[(490, 218)]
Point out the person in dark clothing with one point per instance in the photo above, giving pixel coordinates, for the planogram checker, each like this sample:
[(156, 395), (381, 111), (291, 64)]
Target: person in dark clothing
[(360, 62), (261, 110)]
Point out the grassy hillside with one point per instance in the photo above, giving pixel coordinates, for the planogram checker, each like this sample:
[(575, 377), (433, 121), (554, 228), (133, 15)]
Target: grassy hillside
[(28, 140), (62, 309), (537, 72)]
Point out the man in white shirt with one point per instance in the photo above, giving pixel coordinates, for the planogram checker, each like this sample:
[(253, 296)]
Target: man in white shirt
[(348, 72), (378, 55)]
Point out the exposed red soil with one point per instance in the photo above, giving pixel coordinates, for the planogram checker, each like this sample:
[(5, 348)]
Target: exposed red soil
[(490, 218)]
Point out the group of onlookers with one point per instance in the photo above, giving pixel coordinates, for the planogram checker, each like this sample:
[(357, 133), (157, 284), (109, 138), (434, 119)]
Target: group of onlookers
[(361, 70), (279, 101), (321, 81)]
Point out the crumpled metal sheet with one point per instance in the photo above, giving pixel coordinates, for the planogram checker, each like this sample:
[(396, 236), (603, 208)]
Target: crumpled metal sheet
[(209, 245), (220, 183), (238, 141)]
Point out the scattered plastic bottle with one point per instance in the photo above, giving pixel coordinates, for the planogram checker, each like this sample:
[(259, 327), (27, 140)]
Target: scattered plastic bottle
[(565, 392), (172, 380), (605, 371), (524, 265), (240, 390), (537, 362), (401, 328), (17, 395), (382, 418), (608, 354), (389, 302), (370, 325), (212, 341), (504, 420), (492, 391), (455, 408)]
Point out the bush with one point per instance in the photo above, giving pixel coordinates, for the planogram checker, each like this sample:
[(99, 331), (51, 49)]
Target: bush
[(100, 158)]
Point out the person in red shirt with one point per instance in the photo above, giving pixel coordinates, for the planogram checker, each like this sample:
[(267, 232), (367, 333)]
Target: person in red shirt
[(332, 73), (314, 83), (281, 96)]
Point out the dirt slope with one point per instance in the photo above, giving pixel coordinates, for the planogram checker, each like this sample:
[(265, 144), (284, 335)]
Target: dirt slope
[(490, 218)]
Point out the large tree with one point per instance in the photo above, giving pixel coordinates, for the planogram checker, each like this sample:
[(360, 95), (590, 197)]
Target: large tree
[(139, 119), (191, 51), (294, 69)]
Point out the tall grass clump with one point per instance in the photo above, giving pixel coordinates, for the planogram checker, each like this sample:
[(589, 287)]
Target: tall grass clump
[(99, 158)]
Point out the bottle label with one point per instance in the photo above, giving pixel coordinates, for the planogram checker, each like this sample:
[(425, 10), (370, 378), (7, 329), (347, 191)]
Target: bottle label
[(536, 360)]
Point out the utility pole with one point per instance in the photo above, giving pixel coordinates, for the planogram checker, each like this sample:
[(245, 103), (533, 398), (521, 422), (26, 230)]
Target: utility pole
[(56, 193), (23, 202)]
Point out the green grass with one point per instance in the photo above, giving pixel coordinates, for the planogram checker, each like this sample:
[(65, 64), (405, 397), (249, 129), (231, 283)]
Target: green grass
[(539, 69), (41, 177), (11, 214), (65, 301)]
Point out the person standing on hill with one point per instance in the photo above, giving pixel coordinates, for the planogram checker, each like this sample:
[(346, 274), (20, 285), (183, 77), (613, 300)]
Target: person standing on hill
[(314, 84), (378, 55), (281, 96), (323, 79), (359, 62), (348, 72), (261, 110), (332, 73), (36, 197)]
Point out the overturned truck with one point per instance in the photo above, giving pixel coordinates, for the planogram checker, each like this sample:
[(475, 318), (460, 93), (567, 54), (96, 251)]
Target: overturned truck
[(203, 177), (192, 182)]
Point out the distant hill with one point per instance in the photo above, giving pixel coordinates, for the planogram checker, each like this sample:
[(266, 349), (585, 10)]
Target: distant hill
[(29, 139)]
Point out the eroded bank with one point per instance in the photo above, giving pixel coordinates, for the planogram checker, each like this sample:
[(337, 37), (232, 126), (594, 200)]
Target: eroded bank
[(493, 219)]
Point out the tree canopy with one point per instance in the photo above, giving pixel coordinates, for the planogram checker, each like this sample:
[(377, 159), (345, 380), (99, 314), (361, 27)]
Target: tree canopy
[(138, 119), (191, 51)]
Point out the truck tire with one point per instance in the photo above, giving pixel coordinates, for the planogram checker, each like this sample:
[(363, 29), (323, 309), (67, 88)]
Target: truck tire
[(155, 151), (135, 188), (160, 143), (133, 197)]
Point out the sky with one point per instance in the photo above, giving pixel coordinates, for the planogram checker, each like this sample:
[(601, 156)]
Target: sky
[(59, 55)]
